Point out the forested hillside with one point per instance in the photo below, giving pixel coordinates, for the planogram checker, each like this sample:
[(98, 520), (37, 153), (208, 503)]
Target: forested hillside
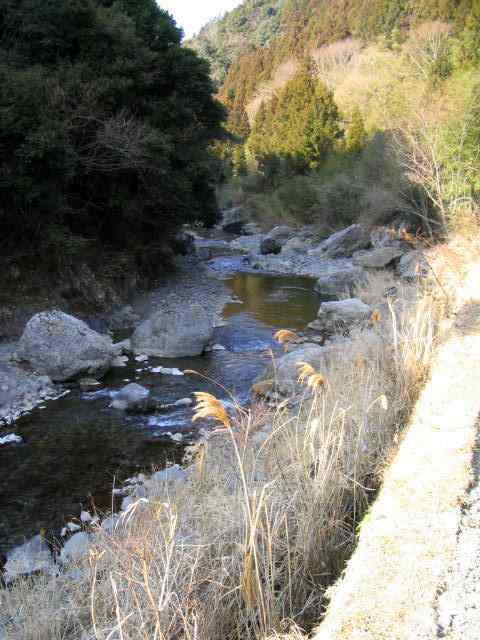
[(352, 107), (255, 23), (105, 123)]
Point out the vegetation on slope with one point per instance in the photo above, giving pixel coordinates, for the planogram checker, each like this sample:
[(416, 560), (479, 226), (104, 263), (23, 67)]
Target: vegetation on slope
[(253, 24), (398, 79), (105, 123)]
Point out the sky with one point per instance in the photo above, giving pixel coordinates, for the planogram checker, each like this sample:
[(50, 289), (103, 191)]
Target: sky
[(191, 15)]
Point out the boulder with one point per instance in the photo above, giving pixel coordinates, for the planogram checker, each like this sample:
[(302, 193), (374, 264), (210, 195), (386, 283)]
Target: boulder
[(281, 233), (339, 280), (248, 244), (377, 258), (21, 391), (341, 315), (75, 548), (174, 333), (270, 245), (133, 398), (32, 556), (389, 236), (343, 243), (284, 371), (64, 347), (297, 244), (413, 265)]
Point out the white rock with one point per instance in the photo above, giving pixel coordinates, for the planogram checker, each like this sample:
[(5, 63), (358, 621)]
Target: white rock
[(177, 437), (141, 358), (184, 402), (85, 516), (12, 438), (167, 372), (72, 526), (75, 548)]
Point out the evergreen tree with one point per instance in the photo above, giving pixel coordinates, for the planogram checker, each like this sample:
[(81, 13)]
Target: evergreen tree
[(356, 135), (105, 124)]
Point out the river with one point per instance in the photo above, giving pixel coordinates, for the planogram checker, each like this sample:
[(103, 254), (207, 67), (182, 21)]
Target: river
[(77, 448)]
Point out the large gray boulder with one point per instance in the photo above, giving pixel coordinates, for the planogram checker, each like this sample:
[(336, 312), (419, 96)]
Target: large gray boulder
[(174, 333), (343, 243), (341, 315), (377, 258), (64, 348), (285, 371), (339, 280)]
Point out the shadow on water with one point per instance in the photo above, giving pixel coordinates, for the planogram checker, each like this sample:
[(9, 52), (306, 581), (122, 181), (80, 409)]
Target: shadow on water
[(78, 447)]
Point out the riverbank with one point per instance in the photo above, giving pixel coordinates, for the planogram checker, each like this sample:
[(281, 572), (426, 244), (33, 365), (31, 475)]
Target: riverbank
[(267, 516)]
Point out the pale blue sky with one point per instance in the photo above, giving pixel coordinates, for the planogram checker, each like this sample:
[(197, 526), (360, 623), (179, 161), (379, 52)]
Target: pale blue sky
[(191, 15)]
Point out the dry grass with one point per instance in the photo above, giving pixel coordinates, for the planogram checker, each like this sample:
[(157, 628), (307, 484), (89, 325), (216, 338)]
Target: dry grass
[(247, 547)]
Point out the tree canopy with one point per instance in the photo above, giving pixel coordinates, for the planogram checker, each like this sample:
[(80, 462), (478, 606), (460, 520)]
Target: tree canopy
[(105, 124)]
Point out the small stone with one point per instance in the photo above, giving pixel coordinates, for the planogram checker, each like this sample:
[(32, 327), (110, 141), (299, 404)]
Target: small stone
[(88, 384), (141, 358), (85, 516), (72, 526), (183, 402), (177, 437)]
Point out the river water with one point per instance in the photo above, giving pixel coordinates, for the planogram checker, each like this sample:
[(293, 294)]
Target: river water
[(77, 448)]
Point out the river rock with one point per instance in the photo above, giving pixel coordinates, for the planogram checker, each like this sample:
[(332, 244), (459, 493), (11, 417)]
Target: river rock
[(75, 548), (297, 244), (88, 384), (413, 265), (132, 398), (64, 347), (284, 372), (208, 249), (281, 233), (341, 315), (339, 279), (377, 258), (10, 438), (174, 333), (171, 474), (251, 229), (343, 243), (21, 391), (32, 556), (123, 348), (248, 244), (270, 245), (389, 236)]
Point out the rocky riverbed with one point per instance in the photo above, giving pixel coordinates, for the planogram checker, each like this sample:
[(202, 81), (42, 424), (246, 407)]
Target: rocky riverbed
[(243, 290)]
